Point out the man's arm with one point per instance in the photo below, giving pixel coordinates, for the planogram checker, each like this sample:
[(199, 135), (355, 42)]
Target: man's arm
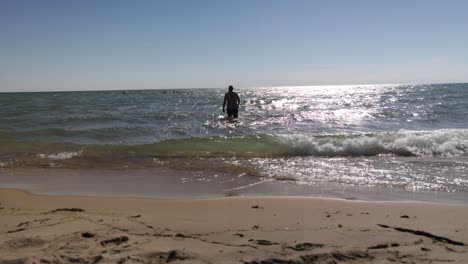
[(238, 100)]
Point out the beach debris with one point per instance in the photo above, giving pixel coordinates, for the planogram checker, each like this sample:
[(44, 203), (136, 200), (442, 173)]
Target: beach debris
[(255, 227), (176, 255), (88, 235), (256, 207), (67, 210), (239, 234), (116, 241), (182, 235), (425, 249), (332, 257), (16, 230), (305, 246), (22, 223), (167, 257), (340, 226), (135, 216), (97, 259), (264, 242), (425, 234), (379, 246), (41, 221), (350, 255), (404, 216)]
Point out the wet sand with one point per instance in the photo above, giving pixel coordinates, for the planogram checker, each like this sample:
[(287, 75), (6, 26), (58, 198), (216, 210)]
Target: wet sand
[(157, 183), (73, 229)]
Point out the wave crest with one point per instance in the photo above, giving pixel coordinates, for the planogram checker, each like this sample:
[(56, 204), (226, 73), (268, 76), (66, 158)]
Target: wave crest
[(446, 143), (60, 155), (442, 143)]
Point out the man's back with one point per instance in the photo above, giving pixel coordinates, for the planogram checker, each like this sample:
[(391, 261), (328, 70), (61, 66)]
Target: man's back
[(232, 100)]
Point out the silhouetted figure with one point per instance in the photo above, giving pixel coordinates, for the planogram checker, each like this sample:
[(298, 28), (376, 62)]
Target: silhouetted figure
[(233, 102)]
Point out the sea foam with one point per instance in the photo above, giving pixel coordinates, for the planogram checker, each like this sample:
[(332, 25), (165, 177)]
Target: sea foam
[(446, 143), (60, 155)]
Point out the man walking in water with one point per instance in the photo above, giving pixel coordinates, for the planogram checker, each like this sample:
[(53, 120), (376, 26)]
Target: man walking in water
[(233, 102)]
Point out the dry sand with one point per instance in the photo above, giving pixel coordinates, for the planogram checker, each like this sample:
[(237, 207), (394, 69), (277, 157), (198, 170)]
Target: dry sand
[(67, 229)]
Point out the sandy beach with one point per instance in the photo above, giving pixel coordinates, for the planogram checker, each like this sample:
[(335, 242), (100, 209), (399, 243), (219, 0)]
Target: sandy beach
[(72, 229)]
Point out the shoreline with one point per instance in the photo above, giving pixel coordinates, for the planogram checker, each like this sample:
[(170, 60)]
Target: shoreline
[(170, 184), (76, 229), (240, 197)]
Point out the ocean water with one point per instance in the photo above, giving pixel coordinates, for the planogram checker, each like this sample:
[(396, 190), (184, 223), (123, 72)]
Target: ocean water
[(398, 137)]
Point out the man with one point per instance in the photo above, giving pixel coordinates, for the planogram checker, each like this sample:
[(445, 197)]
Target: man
[(233, 102)]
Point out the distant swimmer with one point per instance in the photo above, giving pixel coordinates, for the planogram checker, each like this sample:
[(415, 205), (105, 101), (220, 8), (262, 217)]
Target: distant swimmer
[(233, 102)]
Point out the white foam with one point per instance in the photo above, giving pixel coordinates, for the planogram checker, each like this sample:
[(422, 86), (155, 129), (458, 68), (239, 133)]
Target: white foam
[(447, 143), (60, 155)]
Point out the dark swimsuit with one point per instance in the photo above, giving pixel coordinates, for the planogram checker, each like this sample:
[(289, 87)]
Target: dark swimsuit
[(232, 112)]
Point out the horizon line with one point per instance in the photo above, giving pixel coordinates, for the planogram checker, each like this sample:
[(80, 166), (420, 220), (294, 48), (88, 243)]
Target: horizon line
[(242, 87)]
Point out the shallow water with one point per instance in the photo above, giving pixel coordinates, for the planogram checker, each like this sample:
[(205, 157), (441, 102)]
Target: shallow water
[(402, 137)]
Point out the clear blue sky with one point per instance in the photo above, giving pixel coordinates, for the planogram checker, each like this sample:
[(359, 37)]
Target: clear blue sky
[(83, 45)]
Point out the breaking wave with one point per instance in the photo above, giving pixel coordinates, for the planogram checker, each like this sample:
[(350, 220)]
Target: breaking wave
[(60, 155), (446, 143), (442, 143)]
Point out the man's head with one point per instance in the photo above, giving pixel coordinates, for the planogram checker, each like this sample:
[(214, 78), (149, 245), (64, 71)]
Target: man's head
[(231, 88)]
